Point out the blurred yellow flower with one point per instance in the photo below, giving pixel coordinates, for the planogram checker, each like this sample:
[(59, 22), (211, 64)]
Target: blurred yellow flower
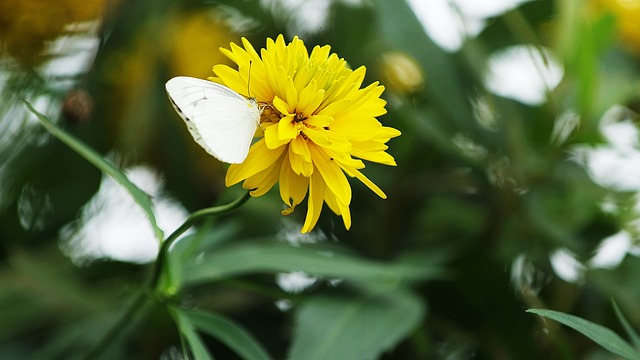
[(627, 13), (401, 72), (318, 125), (191, 52)]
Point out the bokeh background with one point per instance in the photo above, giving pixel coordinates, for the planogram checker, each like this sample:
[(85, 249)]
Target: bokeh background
[(518, 168)]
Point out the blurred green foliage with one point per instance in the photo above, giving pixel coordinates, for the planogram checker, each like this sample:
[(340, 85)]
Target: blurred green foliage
[(484, 193)]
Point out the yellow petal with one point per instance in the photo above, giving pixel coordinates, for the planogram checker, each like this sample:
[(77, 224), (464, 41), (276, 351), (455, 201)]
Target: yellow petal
[(262, 182), (240, 56), (251, 52), (320, 53), (369, 145), (317, 189), (319, 121), (344, 159), (299, 164), (290, 92), (338, 208), (346, 215), (301, 78), (287, 128), (317, 136), (310, 98), (339, 142), (293, 187), (355, 127), (332, 174), (272, 137), (283, 106), (230, 78), (386, 132), (328, 139), (335, 108), (299, 146), (380, 157), (366, 181), (259, 158)]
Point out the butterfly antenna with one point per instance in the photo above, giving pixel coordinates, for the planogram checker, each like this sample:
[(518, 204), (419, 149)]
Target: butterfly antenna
[(249, 80)]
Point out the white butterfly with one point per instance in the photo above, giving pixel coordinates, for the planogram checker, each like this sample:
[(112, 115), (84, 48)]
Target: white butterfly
[(222, 121)]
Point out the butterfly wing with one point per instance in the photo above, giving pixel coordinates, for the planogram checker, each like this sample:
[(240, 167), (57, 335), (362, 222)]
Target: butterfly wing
[(222, 121)]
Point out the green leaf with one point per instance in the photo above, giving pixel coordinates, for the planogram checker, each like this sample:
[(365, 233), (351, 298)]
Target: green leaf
[(188, 332), (627, 327), (600, 334), (143, 199), (274, 257), (228, 332), (355, 327)]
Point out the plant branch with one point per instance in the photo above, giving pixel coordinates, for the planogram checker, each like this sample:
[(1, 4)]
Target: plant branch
[(191, 220)]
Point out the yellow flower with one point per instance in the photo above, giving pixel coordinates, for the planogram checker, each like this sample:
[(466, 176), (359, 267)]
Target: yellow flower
[(317, 125)]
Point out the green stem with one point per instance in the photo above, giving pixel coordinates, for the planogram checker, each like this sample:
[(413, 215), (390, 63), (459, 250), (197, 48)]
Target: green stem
[(141, 298), (192, 219), (125, 319)]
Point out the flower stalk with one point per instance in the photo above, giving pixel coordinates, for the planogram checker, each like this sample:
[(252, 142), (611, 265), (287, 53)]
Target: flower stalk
[(143, 298)]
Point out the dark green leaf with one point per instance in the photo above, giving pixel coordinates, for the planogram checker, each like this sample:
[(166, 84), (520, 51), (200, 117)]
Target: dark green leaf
[(627, 327), (270, 257), (188, 332), (356, 327), (228, 332), (600, 334)]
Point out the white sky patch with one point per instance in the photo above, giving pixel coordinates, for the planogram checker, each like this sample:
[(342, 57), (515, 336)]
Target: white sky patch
[(566, 266), (295, 282), (615, 165), (304, 16), (291, 233), (449, 22), (619, 129), (523, 73), (486, 8), (113, 226), (612, 251), (72, 54), (614, 168)]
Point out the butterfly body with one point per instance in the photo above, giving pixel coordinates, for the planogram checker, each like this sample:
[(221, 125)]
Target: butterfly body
[(220, 120)]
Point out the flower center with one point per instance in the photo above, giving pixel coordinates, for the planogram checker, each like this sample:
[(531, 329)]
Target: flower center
[(270, 114)]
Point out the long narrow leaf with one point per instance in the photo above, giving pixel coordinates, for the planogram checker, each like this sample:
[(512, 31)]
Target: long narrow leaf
[(261, 257), (228, 332), (84, 150), (188, 332), (635, 339), (600, 334)]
